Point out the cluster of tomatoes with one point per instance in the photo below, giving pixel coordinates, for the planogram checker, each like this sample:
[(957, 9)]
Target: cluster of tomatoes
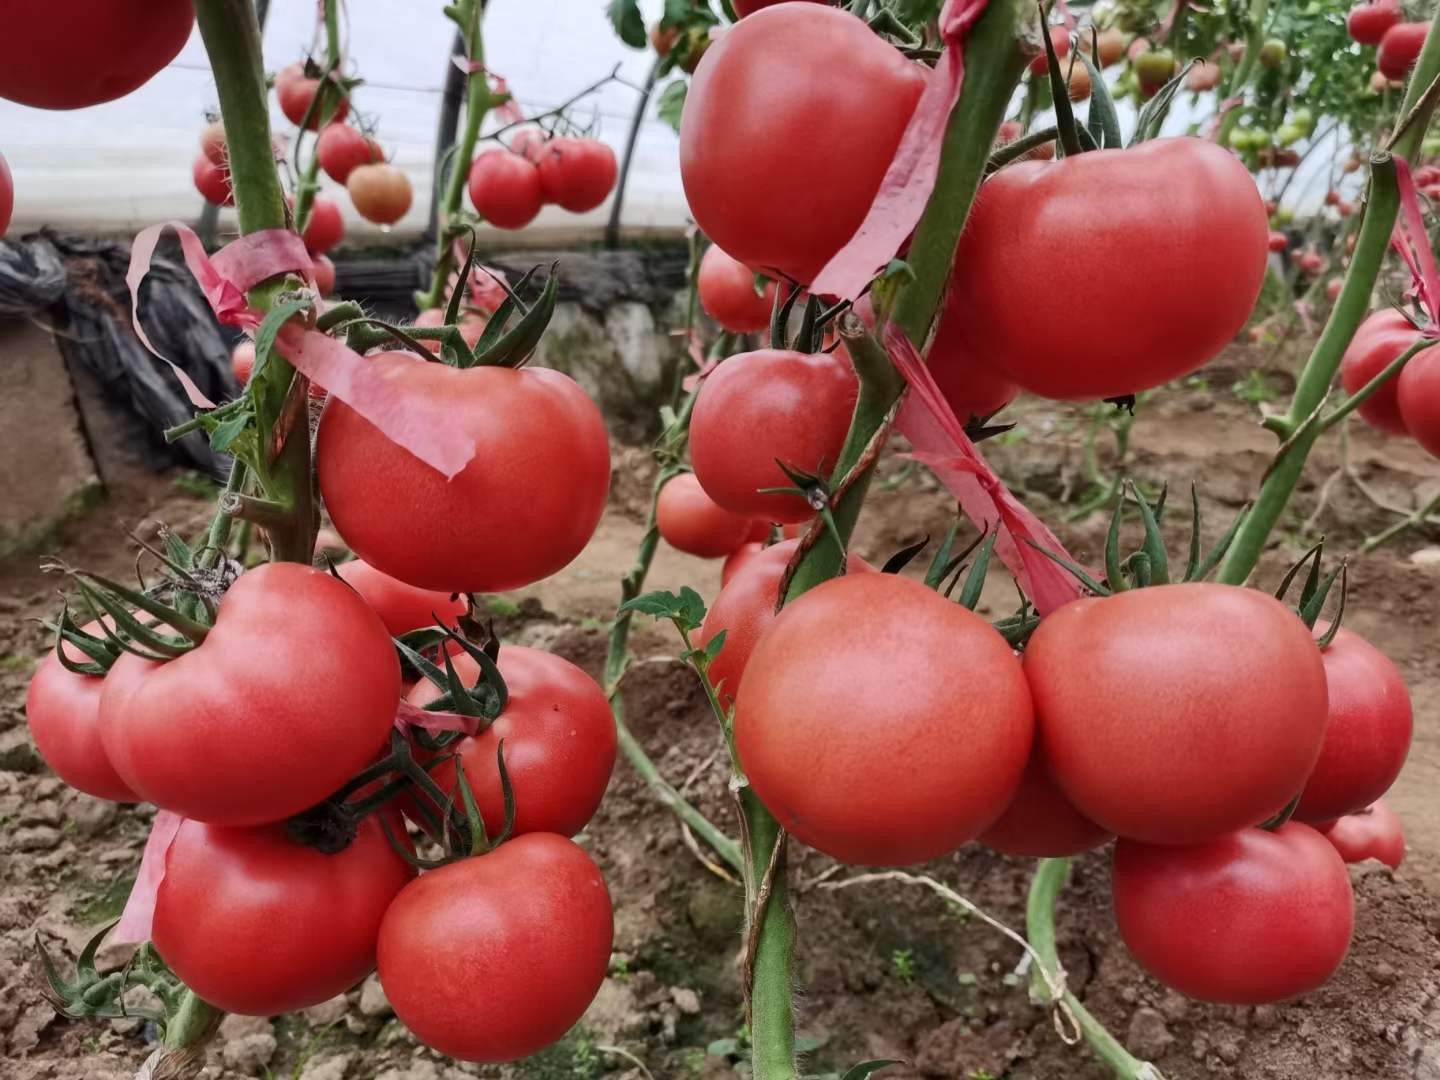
[(1408, 404), (882, 723), (379, 191), (282, 726), (509, 185), (1382, 23)]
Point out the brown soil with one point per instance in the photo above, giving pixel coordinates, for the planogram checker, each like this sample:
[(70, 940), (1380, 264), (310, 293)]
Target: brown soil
[(887, 970)]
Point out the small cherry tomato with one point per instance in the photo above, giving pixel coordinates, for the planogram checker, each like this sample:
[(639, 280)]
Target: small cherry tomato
[(212, 143), (1367, 736), (1400, 48), (326, 227), (692, 522), (505, 189), (1368, 23), (744, 610), (213, 182), (1372, 833), (295, 91), (559, 738), (1248, 918), (343, 149), (727, 293), (761, 408)]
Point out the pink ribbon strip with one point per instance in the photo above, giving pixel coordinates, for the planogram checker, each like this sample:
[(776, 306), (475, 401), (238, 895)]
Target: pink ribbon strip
[(1413, 244), (940, 442), (911, 176), (408, 717), (139, 914)]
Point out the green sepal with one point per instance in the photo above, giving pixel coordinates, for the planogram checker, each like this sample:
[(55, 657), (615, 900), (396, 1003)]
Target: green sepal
[(903, 557), (975, 581), (941, 566), (515, 346), (1102, 121), (1019, 148), (785, 299), (1153, 114), (1075, 571), (99, 650), (1154, 545)]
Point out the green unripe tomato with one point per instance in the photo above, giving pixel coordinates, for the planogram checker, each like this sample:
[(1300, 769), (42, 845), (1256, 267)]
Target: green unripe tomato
[(1304, 119), (1284, 216), (1288, 135), (1272, 53)]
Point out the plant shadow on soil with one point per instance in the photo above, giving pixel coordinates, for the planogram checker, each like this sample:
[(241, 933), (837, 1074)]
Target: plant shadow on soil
[(886, 970)]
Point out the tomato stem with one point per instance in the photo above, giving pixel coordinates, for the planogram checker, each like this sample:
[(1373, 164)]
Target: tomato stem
[(617, 657), (1240, 77), (1350, 309), (1050, 877), (232, 41), (478, 101), (320, 105)]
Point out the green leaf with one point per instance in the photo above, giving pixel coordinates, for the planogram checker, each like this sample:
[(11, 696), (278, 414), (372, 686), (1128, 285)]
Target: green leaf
[(686, 610), (916, 13), (713, 647), (629, 24), (670, 103), (677, 12), (224, 434)]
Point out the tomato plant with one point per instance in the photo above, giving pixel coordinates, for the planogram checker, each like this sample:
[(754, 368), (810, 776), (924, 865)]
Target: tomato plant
[(522, 934), (1247, 918)]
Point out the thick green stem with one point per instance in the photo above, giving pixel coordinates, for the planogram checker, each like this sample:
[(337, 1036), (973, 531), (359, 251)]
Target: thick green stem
[(477, 103), (992, 69), (1354, 301), (194, 1021), (232, 40), (1049, 879), (326, 101)]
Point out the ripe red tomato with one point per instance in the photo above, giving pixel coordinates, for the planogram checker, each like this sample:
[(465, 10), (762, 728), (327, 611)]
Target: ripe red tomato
[(1400, 48), (971, 387), (213, 145), (1368, 23), (324, 271), (92, 51), (401, 607), (1278, 240), (295, 91), (326, 227), (63, 710), (380, 192), (1368, 733), (1248, 918), (766, 406), (213, 182), (522, 933), (577, 174), (1310, 262), (727, 293), (259, 722), (1164, 244), (1332, 289), (1040, 822), (881, 723), (1060, 38), (525, 505), (1375, 344), (505, 189), (739, 559), (745, 608), (342, 149), (1418, 395), (749, 7), (559, 743), (1373, 833), (1178, 713), (7, 195), (692, 522), (779, 101), (318, 915)]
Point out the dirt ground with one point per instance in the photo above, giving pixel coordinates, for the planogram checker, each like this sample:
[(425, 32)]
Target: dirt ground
[(884, 971)]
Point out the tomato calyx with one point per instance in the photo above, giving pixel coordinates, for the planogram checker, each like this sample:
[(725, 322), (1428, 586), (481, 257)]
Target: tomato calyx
[(1316, 590), (1150, 563), (111, 602), (485, 700), (92, 994)]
